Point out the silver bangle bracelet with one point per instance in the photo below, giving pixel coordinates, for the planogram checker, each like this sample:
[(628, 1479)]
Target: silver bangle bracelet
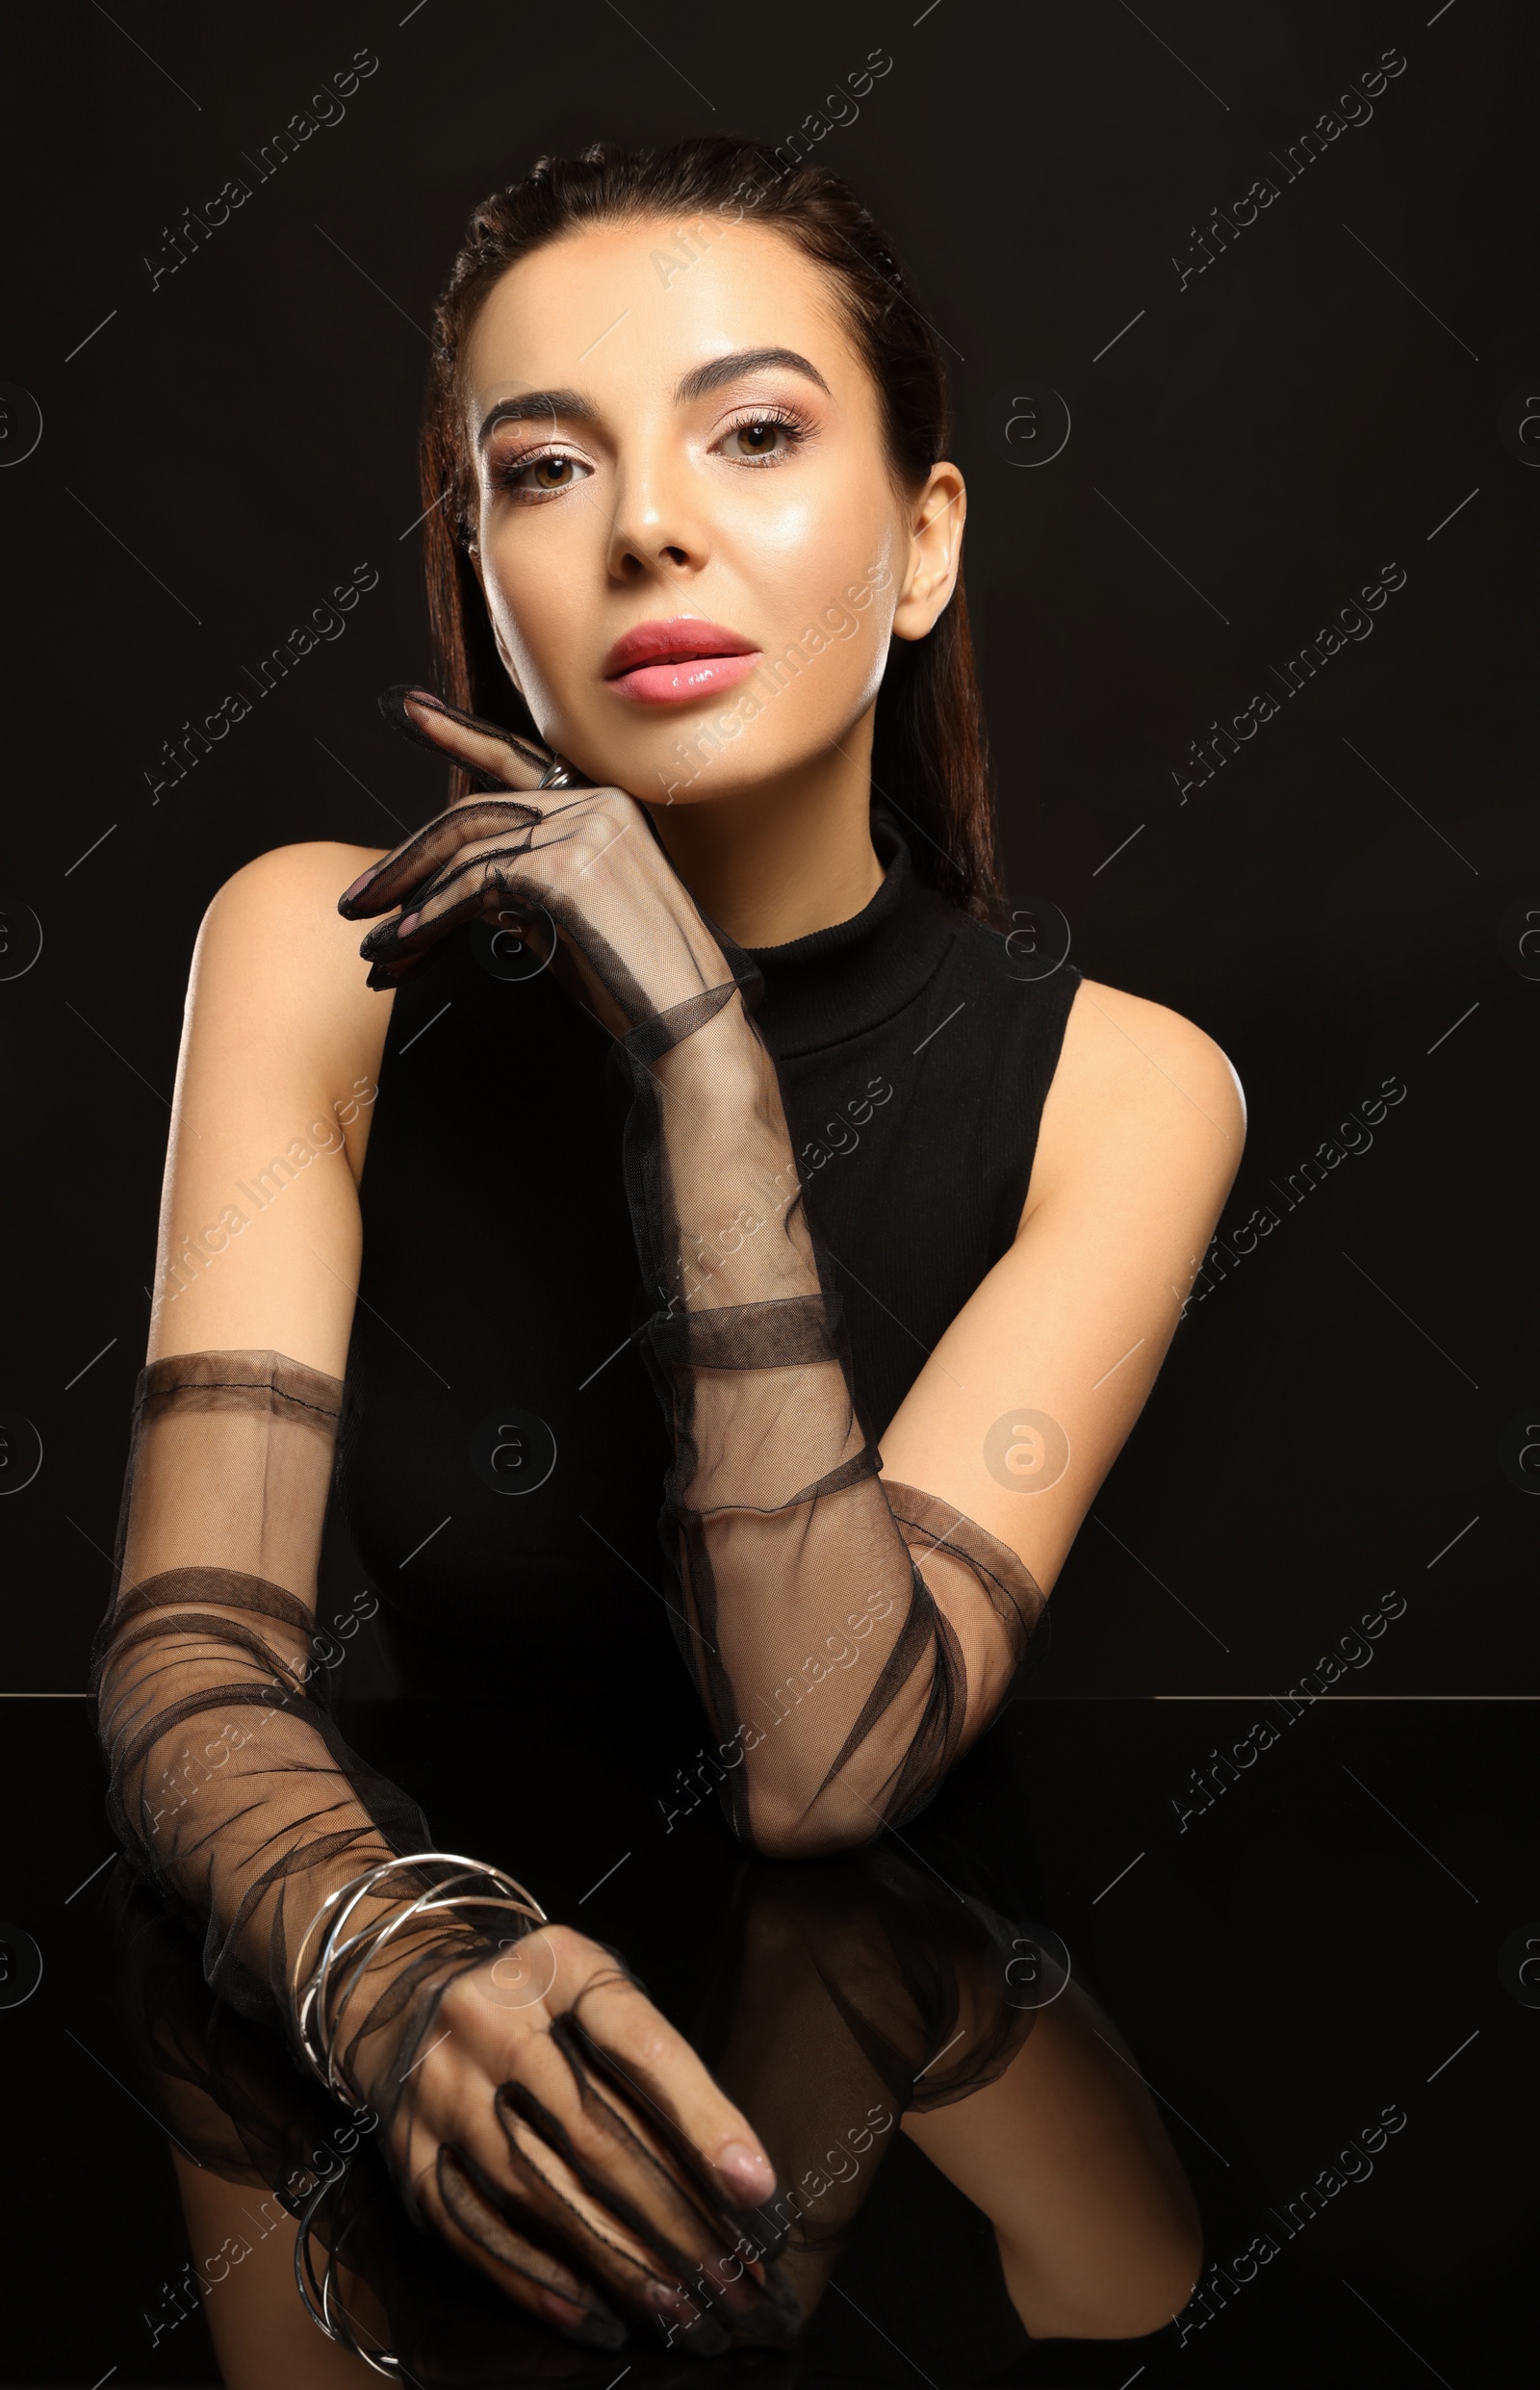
[(379, 2360), (318, 2008)]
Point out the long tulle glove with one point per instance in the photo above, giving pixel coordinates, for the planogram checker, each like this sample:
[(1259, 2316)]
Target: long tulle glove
[(529, 2101), (848, 1637)]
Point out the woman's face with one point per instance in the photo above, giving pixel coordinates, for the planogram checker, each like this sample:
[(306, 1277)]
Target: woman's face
[(692, 549)]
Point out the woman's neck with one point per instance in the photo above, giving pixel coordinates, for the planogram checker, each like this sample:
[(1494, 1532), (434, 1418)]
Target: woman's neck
[(781, 859)]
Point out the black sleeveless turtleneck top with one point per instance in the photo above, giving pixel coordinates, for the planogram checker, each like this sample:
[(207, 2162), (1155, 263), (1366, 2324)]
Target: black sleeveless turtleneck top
[(503, 1452)]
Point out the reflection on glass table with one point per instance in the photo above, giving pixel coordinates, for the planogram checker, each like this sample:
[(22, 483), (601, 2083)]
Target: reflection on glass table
[(842, 2004)]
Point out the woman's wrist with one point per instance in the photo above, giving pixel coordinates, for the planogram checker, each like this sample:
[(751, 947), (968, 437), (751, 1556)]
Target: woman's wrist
[(733, 1182), (725, 1072), (391, 1918)]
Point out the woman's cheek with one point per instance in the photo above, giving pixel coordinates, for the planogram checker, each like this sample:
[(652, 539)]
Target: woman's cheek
[(816, 703), (543, 639), (799, 557), (539, 563)]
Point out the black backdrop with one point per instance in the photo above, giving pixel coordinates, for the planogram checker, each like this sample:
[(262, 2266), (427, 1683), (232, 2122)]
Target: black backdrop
[(1266, 418), (1269, 413)]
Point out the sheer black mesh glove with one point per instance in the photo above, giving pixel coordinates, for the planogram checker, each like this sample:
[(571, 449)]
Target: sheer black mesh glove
[(839, 1689), (837, 2000), (230, 1787), (859, 1991), (530, 2104), (848, 1638)]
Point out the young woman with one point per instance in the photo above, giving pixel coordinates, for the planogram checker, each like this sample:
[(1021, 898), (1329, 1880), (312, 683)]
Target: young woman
[(712, 979)]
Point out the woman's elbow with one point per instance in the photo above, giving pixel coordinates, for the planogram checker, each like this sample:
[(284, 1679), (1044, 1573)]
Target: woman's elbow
[(781, 1825)]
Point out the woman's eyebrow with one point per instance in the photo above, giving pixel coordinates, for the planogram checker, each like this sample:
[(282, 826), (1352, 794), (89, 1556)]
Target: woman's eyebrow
[(704, 378), (570, 404), (572, 407)]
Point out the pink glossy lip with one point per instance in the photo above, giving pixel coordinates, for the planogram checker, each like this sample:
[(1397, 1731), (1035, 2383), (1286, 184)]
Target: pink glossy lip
[(667, 663)]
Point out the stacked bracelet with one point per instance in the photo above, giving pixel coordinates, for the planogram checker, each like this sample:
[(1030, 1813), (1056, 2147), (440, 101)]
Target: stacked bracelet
[(320, 1997), (316, 2297)]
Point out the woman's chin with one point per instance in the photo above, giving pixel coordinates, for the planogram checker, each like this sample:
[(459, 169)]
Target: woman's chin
[(708, 752)]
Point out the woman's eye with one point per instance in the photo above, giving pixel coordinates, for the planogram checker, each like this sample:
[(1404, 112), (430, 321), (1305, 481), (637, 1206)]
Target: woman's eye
[(543, 476), (762, 437)]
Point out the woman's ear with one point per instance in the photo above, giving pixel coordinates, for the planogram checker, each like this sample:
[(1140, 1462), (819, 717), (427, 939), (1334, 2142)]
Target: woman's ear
[(935, 552)]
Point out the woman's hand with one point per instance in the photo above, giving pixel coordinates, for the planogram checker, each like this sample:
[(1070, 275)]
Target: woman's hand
[(576, 864), (565, 2139)]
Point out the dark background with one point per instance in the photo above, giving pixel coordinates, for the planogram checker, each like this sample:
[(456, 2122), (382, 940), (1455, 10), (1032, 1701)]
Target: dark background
[(233, 441), (1340, 907)]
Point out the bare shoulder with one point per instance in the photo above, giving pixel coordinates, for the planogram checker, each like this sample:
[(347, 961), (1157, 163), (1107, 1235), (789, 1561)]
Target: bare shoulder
[(1140, 1096), (276, 919), (277, 968), (275, 1085)]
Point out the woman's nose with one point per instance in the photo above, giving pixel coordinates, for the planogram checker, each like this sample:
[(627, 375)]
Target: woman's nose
[(659, 525)]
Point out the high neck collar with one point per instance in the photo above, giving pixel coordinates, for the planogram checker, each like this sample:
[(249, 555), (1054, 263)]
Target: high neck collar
[(834, 984)]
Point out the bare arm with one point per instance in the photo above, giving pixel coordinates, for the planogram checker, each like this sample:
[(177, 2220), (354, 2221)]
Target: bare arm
[(280, 1058), (1141, 1139), (230, 1785)]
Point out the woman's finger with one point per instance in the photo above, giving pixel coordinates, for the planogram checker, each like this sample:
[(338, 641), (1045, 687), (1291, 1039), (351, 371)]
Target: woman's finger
[(388, 975), (426, 851), (539, 2282), (617, 2075), (666, 2081), (607, 2160), (633, 2162), (526, 2173), (593, 2172), (630, 2063), (561, 2209), (460, 890), (467, 738), (523, 2171)]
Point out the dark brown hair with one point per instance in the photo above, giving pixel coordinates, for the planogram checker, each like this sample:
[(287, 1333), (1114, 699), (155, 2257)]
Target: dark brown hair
[(930, 758)]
